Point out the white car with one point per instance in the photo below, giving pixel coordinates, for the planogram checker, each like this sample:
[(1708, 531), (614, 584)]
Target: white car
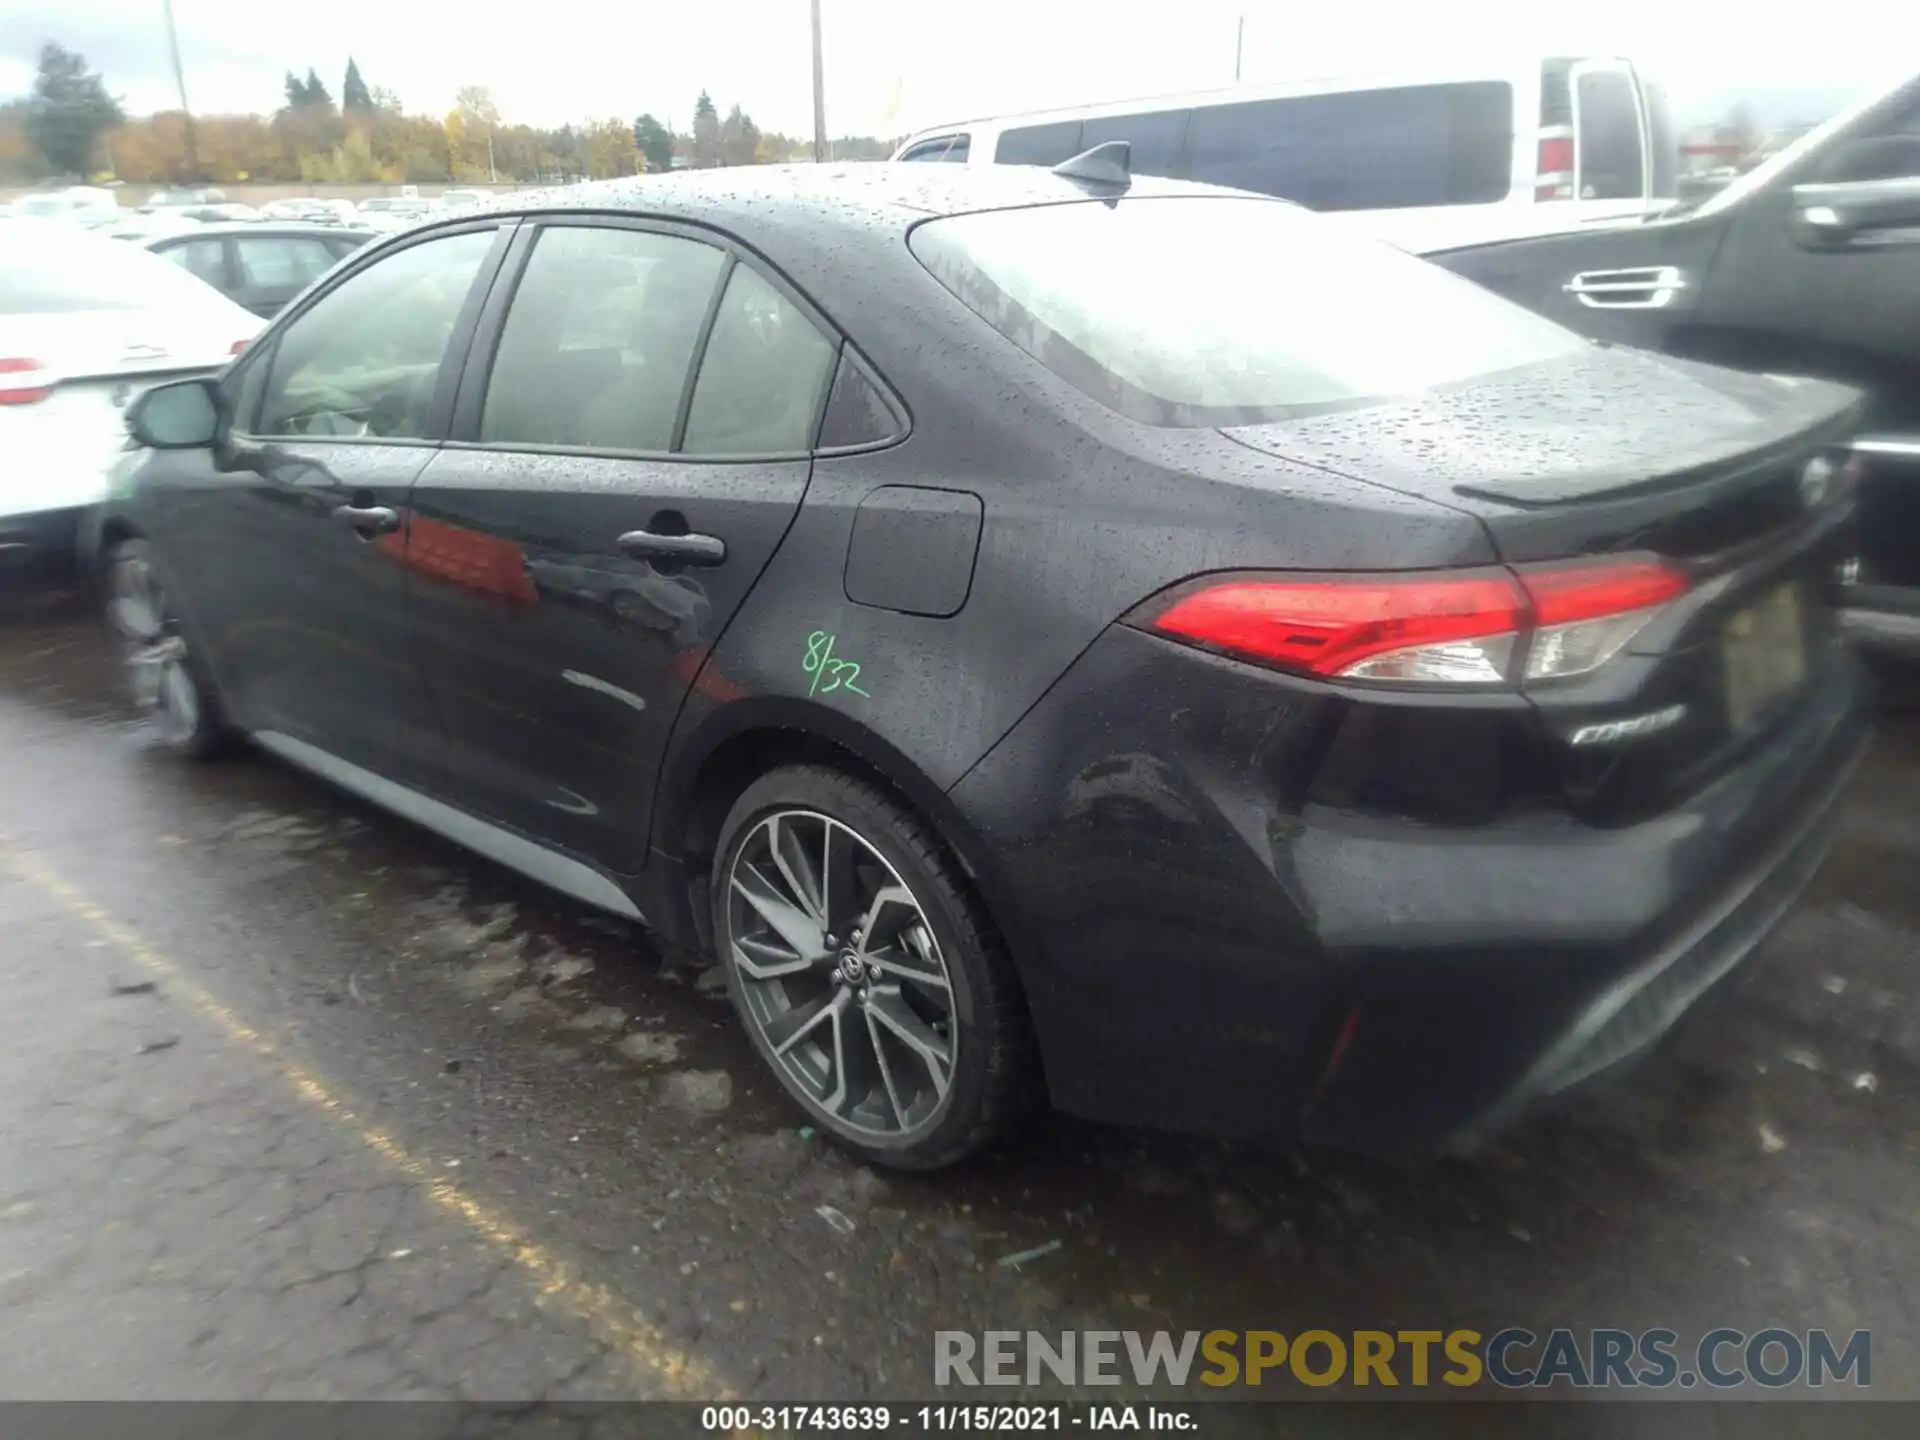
[(76, 202), (392, 212), (85, 322), (1430, 157)]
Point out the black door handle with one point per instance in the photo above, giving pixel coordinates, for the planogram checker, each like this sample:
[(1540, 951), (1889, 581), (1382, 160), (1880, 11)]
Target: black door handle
[(692, 549), (369, 520)]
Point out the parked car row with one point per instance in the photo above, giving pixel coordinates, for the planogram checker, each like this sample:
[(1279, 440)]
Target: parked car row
[(1356, 709)]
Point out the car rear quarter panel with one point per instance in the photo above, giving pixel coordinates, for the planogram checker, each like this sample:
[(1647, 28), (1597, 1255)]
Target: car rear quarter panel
[(1084, 514)]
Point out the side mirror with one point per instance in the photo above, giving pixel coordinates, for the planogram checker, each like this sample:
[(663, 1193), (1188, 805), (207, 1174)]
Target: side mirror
[(185, 415)]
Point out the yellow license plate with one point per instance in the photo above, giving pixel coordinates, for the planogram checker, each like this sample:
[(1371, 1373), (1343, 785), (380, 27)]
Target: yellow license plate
[(1764, 648)]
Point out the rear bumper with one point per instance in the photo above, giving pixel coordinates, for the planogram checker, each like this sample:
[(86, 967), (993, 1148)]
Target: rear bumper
[(1248, 905), (1630, 1015)]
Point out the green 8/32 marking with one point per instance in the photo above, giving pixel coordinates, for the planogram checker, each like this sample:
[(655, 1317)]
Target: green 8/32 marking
[(820, 664)]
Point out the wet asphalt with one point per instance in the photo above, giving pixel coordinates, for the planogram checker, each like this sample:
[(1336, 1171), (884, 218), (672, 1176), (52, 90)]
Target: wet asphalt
[(298, 1101)]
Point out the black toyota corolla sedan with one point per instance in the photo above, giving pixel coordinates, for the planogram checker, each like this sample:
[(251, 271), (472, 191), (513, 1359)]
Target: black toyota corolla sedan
[(1046, 634)]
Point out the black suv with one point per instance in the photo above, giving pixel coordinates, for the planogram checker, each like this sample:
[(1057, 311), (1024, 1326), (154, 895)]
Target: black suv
[(1809, 264)]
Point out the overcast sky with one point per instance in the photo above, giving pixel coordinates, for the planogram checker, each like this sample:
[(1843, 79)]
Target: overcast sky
[(896, 65)]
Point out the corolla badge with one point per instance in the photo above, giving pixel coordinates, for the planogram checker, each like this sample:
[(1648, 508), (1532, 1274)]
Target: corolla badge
[(1816, 480)]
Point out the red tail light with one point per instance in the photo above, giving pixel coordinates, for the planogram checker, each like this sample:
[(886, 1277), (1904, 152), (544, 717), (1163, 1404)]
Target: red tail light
[(1553, 170), (24, 382), (238, 346), (1464, 627)]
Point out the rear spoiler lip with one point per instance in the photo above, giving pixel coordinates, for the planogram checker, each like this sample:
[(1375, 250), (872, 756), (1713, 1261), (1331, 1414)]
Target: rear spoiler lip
[(1794, 435)]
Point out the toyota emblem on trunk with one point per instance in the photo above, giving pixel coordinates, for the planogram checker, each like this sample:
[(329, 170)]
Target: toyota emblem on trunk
[(1816, 479)]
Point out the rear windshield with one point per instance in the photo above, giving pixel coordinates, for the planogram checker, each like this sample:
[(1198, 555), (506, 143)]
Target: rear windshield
[(67, 271), (1203, 311)]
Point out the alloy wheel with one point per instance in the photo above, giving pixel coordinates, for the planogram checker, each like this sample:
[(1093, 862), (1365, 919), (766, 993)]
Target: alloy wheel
[(840, 973), (156, 653)]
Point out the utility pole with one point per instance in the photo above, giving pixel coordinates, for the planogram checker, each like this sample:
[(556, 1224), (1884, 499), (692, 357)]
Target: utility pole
[(492, 174), (180, 81), (819, 95), (1239, 45)]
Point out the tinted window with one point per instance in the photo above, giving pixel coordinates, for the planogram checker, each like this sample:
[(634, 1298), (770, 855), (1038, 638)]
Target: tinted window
[(203, 258), (1156, 139), (365, 358), (857, 413), (1607, 136), (1039, 144), (1365, 149), (1887, 150), (1663, 142), (1220, 324), (952, 149), (52, 269), (761, 377), (599, 340), (280, 262)]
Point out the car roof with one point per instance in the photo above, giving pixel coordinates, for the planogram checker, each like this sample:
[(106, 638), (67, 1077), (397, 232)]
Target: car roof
[(258, 227), (880, 194)]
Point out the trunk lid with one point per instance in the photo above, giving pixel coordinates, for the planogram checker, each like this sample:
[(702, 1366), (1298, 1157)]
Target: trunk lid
[(1607, 449), (95, 362), (1616, 451), (80, 345)]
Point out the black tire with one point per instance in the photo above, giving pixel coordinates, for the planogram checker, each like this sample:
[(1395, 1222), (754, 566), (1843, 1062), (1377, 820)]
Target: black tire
[(991, 1083), (168, 681)]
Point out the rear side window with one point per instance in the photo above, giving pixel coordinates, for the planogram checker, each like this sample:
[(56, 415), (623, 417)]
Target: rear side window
[(1039, 144), (1388, 149), (599, 340), (1607, 136), (204, 259), (1156, 139), (1203, 311), (762, 376), (280, 261)]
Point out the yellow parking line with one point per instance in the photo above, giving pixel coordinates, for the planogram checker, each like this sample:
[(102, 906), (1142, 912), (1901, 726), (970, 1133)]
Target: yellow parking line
[(614, 1321)]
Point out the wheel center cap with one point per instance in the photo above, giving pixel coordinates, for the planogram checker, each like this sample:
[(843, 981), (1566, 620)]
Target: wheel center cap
[(851, 969)]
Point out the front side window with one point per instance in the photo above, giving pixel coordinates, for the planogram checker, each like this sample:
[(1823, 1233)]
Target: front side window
[(761, 377), (1888, 150), (950, 149), (364, 360), (1411, 146), (1200, 311), (1607, 136), (600, 339)]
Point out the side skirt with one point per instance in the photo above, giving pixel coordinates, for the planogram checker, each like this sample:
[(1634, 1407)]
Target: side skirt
[(535, 861)]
